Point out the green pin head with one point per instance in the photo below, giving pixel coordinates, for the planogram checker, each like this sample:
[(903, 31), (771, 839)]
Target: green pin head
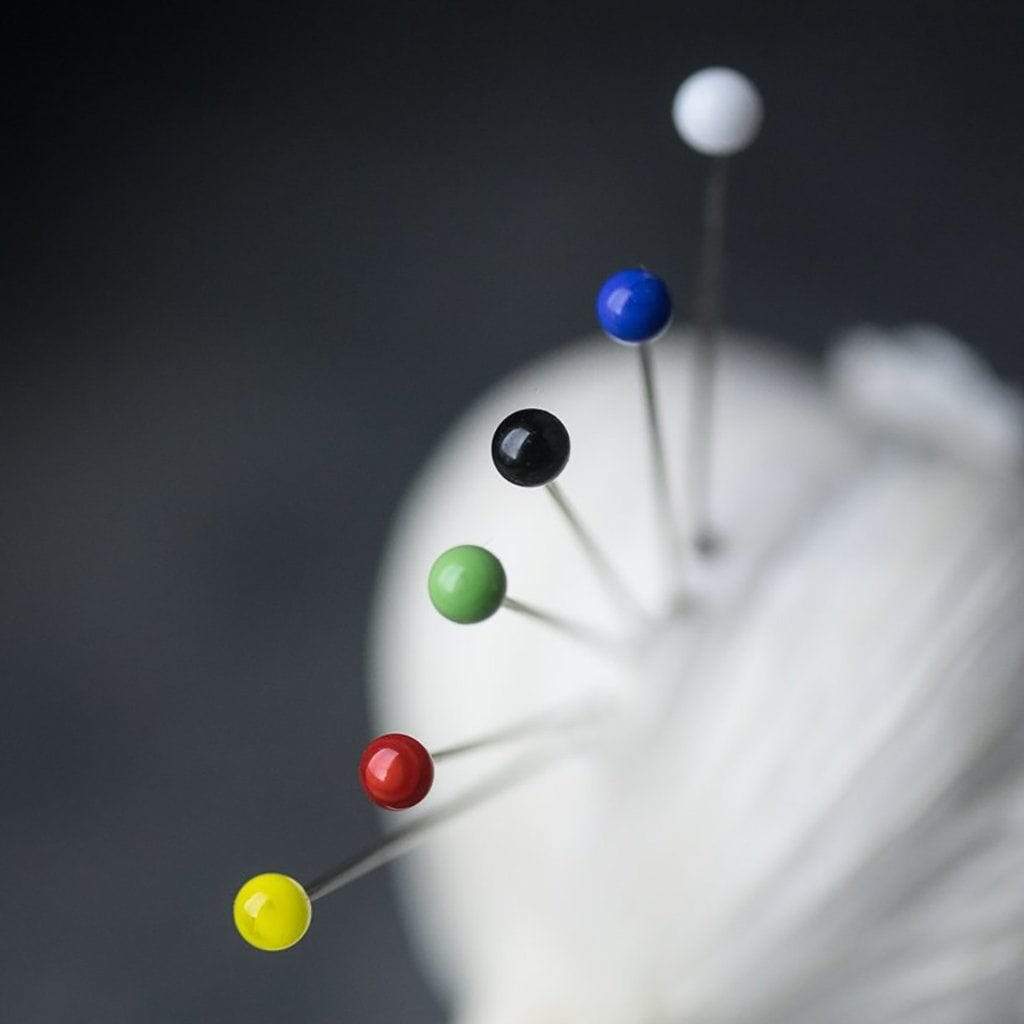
[(467, 584)]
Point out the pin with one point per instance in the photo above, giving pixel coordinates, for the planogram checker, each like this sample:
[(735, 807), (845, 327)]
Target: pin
[(272, 912), (467, 584), (530, 448), (396, 771), (717, 112), (634, 308), (553, 722)]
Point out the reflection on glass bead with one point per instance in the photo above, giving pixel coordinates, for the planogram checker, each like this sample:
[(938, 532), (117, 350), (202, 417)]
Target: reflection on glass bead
[(467, 584), (396, 771), (530, 447), (634, 306), (272, 911)]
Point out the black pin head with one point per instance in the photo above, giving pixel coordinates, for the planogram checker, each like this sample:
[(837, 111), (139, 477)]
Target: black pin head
[(530, 447)]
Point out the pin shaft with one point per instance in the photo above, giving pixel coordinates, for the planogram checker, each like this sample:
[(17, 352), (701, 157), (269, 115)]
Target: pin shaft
[(407, 838), (705, 353), (559, 623), (663, 498), (613, 583), (518, 731), (533, 727)]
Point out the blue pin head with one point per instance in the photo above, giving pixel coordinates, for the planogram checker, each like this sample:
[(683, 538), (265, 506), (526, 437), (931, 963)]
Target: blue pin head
[(634, 306)]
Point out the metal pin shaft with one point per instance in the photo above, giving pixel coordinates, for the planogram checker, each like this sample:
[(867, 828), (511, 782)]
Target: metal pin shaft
[(705, 355), (405, 839), (613, 583), (663, 499)]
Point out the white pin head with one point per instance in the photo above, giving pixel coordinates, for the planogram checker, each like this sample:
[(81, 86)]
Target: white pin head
[(717, 111)]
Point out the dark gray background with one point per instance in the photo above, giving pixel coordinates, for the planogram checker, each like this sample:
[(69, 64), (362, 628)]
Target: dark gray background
[(255, 259)]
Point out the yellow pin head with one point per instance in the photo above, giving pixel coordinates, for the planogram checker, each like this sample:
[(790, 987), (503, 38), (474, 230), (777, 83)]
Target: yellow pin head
[(272, 912)]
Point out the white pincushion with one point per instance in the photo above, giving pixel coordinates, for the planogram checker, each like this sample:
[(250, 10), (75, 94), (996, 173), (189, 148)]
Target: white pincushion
[(808, 806)]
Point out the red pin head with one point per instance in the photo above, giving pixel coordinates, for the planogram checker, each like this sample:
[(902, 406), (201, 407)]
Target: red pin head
[(396, 771)]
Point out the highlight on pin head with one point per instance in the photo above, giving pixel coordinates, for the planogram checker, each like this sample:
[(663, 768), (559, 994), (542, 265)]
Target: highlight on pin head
[(634, 306), (467, 584), (717, 111), (396, 771), (530, 447), (272, 912)]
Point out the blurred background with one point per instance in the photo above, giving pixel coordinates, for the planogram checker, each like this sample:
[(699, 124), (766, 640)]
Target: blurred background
[(256, 258)]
